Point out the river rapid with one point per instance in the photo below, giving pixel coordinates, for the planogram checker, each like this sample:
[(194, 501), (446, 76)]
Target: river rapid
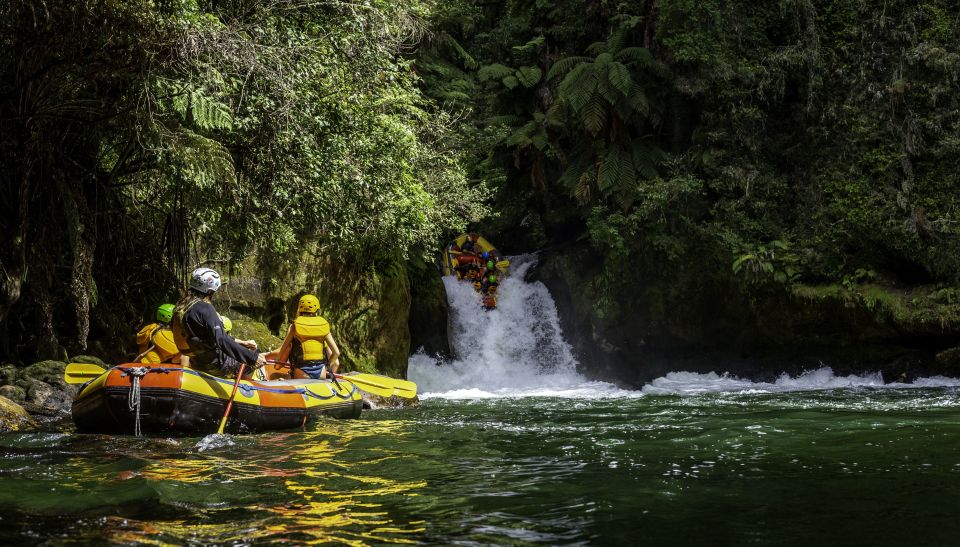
[(511, 446)]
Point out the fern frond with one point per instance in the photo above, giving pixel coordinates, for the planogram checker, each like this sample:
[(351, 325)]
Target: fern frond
[(468, 61), (564, 65), (531, 45), (556, 115), (208, 113), (578, 86), (638, 100), (572, 174), (593, 116), (643, 58), (618, 171), (597, 48), (608, 91), (619, 76), (521, 138), (496, 71), (646, 159), (528, 75)]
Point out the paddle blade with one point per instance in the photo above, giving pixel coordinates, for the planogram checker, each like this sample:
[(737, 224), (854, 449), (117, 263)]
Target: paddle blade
[(383, 385), (503, 265), (81, 373)]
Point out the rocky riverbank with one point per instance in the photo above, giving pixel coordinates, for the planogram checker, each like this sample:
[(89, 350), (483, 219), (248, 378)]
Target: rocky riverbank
[(36, 393)]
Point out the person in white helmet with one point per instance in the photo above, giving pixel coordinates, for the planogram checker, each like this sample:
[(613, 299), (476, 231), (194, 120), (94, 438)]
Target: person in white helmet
[(199, 332)]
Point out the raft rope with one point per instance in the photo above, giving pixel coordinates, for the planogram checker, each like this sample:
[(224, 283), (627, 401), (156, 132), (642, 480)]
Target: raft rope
[(133, 399)]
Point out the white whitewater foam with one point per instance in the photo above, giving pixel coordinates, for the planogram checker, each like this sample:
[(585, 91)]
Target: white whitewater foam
[(214, 441), (693, 383), (516, 350)]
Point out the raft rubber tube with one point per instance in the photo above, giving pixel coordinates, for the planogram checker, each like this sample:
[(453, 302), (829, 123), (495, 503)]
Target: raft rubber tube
[(173, 399)]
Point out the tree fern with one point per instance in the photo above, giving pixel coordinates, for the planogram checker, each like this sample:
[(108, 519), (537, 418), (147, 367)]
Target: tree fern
[(619, 76), (597, 48), (496, 71), (531, 45), (528, 75), (618, 171), (208, 113), (593, 115), (645, 159), (564, 65), (578, 86)]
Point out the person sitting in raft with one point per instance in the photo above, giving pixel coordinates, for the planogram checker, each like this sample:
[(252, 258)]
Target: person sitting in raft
[(489, 285), (312, 334), (489, 266), (227, 324), (155, 341), (470, 244), (200, 335)]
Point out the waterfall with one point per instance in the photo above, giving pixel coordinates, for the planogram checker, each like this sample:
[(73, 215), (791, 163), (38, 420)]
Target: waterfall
[(517, 348)]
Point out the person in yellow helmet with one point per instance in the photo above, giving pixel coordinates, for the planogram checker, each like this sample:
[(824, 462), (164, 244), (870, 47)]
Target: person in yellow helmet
[(155, 341), (311, 333)]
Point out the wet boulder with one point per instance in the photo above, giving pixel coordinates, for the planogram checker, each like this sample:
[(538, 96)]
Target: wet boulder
[(13, 417), (45, 389)]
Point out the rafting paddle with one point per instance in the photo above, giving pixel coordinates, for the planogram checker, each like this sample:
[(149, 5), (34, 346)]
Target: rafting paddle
[(376, 384), (81, 373), (223, 422)]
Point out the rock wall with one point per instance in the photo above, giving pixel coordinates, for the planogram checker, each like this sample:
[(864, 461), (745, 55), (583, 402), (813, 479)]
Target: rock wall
[(711, 323)]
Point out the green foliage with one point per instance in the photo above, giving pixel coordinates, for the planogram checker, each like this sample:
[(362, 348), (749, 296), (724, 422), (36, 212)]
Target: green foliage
[(185, 133)]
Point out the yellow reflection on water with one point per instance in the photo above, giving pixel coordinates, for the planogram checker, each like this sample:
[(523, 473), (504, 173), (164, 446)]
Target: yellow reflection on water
[(336, 486)]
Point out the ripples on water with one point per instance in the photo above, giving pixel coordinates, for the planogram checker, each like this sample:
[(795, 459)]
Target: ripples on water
[(844, 465)]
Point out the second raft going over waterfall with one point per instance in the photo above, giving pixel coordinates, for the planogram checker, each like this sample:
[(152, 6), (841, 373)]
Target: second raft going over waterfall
[(473, 259)]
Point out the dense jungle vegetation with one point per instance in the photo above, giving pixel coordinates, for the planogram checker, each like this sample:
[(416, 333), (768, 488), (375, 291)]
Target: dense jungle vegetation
[(691, 146), (143, 138), (720, 150)]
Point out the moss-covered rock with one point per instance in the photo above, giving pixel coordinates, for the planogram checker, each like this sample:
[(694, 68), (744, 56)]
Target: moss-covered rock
[(248, 328), (14, 393), (428, 309), (8, 374), (13, 417), (949, 361), (50, 372)]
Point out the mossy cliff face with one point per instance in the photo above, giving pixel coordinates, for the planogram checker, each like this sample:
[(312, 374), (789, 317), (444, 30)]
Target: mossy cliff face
[(700, 322), (367, 307), (428, 309)]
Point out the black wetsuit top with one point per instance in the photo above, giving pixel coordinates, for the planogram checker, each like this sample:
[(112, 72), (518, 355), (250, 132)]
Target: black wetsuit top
[(210, 346)]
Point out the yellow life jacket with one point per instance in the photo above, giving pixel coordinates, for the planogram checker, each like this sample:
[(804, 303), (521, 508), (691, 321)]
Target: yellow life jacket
[(310, 332), (157, 345)]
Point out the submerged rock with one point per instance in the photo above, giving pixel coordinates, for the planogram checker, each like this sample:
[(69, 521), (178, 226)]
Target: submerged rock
[(13, 417), (371, 401)]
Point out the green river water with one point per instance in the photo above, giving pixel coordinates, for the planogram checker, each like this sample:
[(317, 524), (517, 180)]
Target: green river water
[(851, 466)]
